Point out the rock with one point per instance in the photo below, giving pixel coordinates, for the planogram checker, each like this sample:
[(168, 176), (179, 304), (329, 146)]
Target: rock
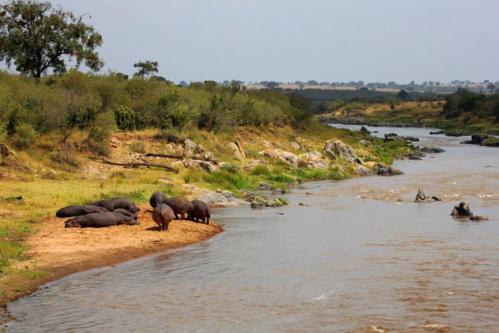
[(432, 150), (222, 199), (295, 145), (237, 150), (278, 154), (337, 149), (312, 160), (265, 187), (254, 163), (191, 188), (462, 210), (491, 141), (383, 170), (364, 129), (414, 157), (197, 164), (436, 132), (390, 136), (362, 171), (5, 151), (411, 138)]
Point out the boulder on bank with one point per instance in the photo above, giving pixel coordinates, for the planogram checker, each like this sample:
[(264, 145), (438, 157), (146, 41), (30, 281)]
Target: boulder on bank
[(383, 170), (282, 155), (483, 140), (207, 166), (432, 150), (237, 150), (313, 160), (221, 199), (334, 149)]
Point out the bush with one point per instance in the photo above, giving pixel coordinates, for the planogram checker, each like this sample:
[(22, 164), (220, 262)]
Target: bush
[(137, 147), (24, 136), (99, 135), (127, 119)]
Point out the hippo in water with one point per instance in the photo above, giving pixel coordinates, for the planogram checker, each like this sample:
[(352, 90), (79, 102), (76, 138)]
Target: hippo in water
[(156, 199), (163, 215), (200, 212), (181, 206), (71, 211), (115, 203), (101, 220)]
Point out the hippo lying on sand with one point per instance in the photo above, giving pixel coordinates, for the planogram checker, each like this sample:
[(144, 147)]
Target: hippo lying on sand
[(181, 206), (156, 199), (71, 211), (101, 220), (200, 212), (163, 215), (115, 203)]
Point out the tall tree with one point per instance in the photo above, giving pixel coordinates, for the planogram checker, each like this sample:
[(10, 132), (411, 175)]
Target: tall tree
[(146, 68), (36, 37)]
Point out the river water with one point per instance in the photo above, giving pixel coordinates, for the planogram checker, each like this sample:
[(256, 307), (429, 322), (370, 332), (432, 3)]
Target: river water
[(349, 256)]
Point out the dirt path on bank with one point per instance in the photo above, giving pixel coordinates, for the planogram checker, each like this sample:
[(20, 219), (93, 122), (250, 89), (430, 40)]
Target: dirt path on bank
[(56, 251)]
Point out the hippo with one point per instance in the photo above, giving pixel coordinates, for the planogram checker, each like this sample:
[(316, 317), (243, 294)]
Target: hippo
[(71, 211), (115, 203), (156, 199), (163, 215), (200, 212), (100, 220), (462, 210), (180, 206)]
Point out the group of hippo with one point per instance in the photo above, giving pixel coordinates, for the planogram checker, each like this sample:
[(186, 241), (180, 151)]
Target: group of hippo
[(116, 211), (167, 209)]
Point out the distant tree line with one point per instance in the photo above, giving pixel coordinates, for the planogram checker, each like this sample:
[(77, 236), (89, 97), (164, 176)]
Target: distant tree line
[(465, 102)]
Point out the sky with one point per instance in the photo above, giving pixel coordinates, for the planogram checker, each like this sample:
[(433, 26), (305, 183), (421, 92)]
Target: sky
[(288, 40)]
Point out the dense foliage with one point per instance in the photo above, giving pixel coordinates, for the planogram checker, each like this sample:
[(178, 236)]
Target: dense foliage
[(467, 103), (80, 101)]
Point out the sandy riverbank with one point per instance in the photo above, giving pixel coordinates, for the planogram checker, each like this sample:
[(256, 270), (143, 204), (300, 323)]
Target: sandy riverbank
[(57, 252)]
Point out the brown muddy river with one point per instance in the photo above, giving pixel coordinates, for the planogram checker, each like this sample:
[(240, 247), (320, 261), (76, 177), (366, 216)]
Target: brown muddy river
[(359, 256)]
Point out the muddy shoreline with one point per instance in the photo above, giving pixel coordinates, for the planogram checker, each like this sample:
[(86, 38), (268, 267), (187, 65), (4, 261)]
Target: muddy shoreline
[(78, 250)]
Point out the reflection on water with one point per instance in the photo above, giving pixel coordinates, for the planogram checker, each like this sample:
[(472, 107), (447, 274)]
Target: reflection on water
[(359, 256)]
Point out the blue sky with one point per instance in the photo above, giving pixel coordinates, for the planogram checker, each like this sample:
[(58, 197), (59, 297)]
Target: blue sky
[(288, 40)]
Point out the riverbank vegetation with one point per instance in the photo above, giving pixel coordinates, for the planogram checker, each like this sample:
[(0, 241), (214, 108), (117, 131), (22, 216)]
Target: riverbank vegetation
[(58, 131), (462, 113)]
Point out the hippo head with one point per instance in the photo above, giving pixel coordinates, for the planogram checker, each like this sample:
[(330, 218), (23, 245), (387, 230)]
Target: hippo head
[(73, 223)]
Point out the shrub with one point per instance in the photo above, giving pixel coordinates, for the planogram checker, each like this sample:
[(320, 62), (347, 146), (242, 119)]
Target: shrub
[(128, 119), (99, 135), (137, 147), (24, 136)]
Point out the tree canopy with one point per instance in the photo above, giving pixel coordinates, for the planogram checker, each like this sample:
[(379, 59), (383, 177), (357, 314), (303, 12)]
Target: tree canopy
[(36, 37), (145, 68)]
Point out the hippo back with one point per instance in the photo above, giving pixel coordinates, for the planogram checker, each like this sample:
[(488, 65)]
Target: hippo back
[(179, 205), (200, 210), (156, 199), (71, 211)]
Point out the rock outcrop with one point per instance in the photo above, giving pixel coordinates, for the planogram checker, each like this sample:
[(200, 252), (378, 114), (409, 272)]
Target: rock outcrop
[(335, 149), (384, 170), (282, 155), (237, 150), (313, 160)]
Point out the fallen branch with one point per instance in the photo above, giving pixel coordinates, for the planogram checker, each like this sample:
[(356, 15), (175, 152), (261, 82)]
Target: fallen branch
[(143, 164), (180, 157)]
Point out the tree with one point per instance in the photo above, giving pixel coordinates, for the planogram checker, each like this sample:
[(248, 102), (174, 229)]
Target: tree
[(36, 37), (491, 87), (146, 68), (403, 94)]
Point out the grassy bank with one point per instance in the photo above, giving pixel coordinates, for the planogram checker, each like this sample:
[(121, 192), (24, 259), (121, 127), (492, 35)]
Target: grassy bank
[(61, 130), (453, 115)]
